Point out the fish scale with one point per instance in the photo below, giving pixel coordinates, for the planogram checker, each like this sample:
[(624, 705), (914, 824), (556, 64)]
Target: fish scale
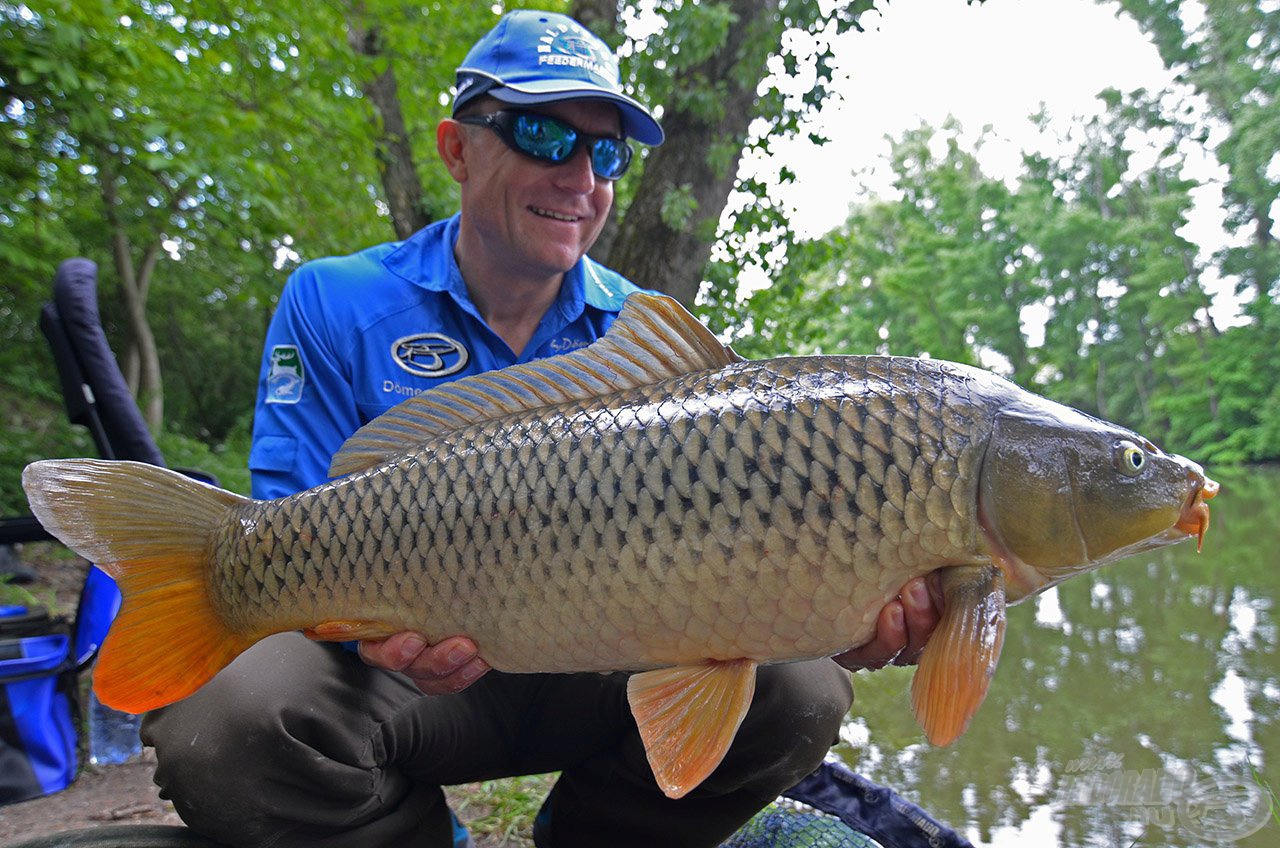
[(666, 511), (651, 503)]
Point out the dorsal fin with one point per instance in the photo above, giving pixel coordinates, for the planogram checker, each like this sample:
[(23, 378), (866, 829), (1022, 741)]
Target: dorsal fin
[(653, 338)]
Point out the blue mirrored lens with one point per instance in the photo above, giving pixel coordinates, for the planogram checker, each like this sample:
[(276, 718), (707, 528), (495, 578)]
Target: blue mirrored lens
[(554, 141), (610, 158), (544, 137)]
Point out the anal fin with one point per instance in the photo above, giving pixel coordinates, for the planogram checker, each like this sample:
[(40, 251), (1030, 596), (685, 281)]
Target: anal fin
[(688, 716), (960, 658), (342, 630)]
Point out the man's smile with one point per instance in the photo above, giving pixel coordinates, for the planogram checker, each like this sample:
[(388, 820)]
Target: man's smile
[(557, 216)]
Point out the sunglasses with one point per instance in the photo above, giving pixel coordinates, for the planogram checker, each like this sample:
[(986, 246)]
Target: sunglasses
[(552, 140)]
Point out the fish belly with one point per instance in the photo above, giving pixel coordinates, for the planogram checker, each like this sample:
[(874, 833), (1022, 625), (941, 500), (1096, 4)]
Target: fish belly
[(765, 510)]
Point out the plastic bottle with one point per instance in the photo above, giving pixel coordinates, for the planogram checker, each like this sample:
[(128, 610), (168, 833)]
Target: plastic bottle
[(113, 735)]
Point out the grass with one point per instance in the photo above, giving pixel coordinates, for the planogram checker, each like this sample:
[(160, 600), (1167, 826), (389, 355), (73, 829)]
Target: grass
[(501, 811), (229, 462), (1266, 787), (20, 596), (35, 426)]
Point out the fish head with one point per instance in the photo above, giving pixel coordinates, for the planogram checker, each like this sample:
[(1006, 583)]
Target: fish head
[(1062, 493)]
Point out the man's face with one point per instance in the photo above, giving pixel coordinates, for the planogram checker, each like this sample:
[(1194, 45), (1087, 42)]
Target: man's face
[(536, 218)]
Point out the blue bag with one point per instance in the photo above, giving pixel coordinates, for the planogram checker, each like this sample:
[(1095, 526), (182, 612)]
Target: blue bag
[(37, 705)]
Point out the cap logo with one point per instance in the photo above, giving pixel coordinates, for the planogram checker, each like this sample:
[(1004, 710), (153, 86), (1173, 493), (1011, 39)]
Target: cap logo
[(574, 47)]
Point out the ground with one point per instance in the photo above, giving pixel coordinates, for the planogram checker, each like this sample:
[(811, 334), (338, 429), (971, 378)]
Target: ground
[(498, 812), (100, 796), (115, 795)]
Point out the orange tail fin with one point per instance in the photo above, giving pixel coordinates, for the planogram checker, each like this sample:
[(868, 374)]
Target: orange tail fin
[(152, 530)]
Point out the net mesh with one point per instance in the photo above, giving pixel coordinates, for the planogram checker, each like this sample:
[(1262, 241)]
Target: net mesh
[(835, 808), (789, 824)]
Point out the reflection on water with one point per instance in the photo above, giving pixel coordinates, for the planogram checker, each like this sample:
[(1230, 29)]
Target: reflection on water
[(1139, 702)]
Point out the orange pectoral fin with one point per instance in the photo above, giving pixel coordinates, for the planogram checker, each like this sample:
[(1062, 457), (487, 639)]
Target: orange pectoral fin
[(341, 630), (960, 658), (1194, 520), (688, 717)]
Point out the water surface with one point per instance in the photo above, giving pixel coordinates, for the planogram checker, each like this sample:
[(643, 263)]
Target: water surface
[(1140, 702)]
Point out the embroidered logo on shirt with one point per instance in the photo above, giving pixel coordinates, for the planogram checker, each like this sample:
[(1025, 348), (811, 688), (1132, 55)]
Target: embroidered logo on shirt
[(566, 344), (286, 376), (430, 354)]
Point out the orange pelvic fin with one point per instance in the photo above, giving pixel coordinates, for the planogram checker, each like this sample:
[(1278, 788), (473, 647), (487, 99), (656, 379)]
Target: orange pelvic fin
[(151, 529), (960, 658), (349, 631), (688, 717)]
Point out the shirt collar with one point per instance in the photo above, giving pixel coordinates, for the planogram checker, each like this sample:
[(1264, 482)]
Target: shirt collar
[(426, 259)]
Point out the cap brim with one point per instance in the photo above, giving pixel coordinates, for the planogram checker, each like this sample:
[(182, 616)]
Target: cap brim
[(637, 123)]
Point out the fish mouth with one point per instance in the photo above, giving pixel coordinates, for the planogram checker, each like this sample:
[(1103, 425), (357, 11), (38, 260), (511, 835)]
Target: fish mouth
[(1194, 520)]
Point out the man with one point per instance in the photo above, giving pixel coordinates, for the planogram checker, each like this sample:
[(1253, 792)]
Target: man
[(299, 743)]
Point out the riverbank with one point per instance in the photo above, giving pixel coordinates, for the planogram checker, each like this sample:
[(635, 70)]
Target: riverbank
[(499, 813)]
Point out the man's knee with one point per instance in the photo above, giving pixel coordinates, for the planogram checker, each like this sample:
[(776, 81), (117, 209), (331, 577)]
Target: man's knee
[(272, 723), (806, 702), (254, 706), (794, 719)]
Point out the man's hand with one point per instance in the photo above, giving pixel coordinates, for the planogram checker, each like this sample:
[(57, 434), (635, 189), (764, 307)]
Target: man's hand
[(450, 666), (904, 626)]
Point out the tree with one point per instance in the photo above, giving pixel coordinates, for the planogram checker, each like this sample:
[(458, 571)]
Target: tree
[(182, 142), (1230, 58), (937, 271), (707, 67), (1123, 288), (405, 57), (957, 264), (1228, 52)]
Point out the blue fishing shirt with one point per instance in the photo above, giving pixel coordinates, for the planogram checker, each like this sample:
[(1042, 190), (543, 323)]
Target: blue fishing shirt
[(355, 335)]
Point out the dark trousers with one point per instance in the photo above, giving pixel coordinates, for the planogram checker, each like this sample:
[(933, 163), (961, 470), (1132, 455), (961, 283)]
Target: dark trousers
[(302, 744)]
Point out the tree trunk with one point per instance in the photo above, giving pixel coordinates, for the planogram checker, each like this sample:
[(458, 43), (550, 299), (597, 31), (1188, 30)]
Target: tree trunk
[(1266, 245), (130, 366), (1210, 386), (1100, 375), (670, 256), (134, 285), (599, 16), (399, 174)]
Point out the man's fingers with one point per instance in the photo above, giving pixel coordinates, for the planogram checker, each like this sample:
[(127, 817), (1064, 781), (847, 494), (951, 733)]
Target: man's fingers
[(450, 666), (889, 641), (394, 653), (921, 607), (457, 681), (902, 629)]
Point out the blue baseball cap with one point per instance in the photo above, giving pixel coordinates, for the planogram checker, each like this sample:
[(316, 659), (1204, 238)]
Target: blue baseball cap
[(533, 57)]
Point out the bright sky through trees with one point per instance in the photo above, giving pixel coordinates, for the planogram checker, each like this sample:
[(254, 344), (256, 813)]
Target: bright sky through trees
[(993, 64)]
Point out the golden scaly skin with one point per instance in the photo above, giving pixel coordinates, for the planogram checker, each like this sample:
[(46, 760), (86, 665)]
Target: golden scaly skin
[(650, 501), (765, 510)]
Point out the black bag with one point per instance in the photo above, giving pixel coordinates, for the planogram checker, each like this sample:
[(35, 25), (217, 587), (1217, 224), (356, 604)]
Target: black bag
[(38, 707)]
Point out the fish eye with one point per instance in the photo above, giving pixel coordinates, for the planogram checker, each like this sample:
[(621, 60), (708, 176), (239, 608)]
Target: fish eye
[(1129, 459)]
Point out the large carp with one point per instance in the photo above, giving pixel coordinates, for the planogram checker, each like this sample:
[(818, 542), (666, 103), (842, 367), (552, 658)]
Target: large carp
[(651, 503)]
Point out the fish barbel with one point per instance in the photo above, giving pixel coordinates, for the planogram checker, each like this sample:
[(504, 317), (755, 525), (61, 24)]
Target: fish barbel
[(651, 503)]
